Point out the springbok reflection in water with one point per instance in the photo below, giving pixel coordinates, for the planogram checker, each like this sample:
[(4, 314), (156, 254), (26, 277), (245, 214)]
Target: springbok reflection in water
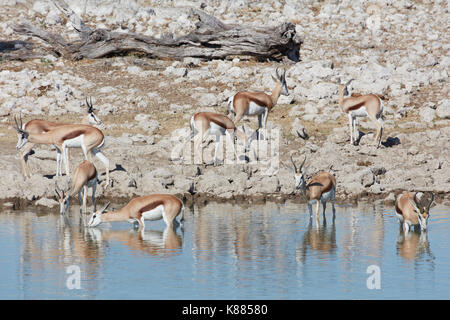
[(322, 239), (413, 245), (152, 242)]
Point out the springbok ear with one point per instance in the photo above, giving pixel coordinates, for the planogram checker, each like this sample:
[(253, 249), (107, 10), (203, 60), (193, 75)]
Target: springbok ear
[(69, 184)]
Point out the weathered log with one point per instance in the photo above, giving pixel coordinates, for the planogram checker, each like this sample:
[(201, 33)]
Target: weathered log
[(212, 39), (18, 50)]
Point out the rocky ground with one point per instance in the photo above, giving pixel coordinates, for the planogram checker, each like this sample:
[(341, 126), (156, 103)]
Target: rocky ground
[(397, 49)]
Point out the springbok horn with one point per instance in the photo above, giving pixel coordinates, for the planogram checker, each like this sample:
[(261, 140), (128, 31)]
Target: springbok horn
[(293, 163), (277, 73), (17, 125), (57, 190), (301, 166), (431, 201), (57, 193)]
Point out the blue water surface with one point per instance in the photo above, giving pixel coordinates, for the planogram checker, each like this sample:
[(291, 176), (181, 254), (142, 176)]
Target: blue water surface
[(224, 251)]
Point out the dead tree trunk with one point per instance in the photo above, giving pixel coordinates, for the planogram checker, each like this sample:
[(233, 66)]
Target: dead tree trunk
[(212, 39)]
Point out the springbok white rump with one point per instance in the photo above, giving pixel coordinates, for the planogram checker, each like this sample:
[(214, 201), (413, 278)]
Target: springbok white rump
[(37, 126), (85, 177), (368, 105), (320, 188), (412, 211), (247, 103), (151, 207), (88, 138), (203, 124)]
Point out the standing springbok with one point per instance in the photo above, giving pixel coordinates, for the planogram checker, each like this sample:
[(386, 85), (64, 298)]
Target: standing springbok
[(412, 211), (368, 105), (246, 103), (151, 207), (85, 177), (37, 126), (203, 124), (88, 138), (320, 188)]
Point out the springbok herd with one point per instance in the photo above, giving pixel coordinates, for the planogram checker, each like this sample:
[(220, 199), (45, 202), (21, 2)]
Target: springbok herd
[(412, 208)]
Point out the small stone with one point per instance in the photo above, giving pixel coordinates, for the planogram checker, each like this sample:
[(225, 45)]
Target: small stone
[(413, 150)]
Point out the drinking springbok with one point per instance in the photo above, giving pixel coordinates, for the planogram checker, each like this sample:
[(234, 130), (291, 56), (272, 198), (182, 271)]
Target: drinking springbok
[(412, 211), (246, 103), (203, 124), (88, 138), (368, 105), (151, 207), (37, 126), (85, 177), (320, 188)]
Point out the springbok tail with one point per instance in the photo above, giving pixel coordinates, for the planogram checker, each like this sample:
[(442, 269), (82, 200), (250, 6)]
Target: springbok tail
[(230, 106), (192, 134), (380, 113), (230, 102), (182, 212)]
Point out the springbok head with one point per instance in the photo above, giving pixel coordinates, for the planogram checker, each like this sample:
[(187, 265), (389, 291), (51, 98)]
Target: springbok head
[(343, 87), (90, 113), (299, 174), (22, 135), (96, 217), (63, 198), (281, 78), (422, 207)]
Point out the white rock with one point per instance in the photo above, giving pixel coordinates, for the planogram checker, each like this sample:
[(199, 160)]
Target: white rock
[(443, 109), (134, 70), (427, 114)]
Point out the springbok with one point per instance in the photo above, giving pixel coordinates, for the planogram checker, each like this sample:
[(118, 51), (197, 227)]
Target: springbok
[(246, 103), (85, 177), (88, 138), (412, 211), (368, 105), (151, 207), (37, 126), (203, 124), (320, 188)]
